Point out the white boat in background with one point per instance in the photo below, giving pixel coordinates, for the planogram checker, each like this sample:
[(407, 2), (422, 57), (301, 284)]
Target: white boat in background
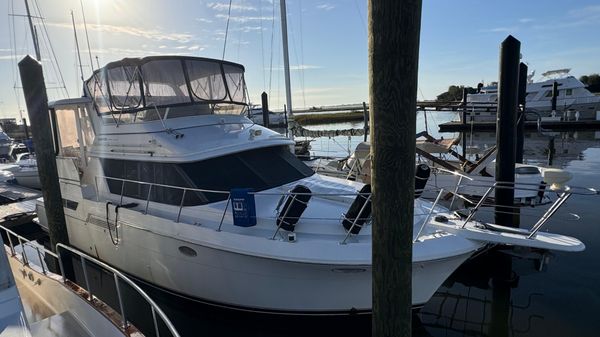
[(574, 100), (5, 144), (275, 119), (470, 180), (27, 172), (24, 171)]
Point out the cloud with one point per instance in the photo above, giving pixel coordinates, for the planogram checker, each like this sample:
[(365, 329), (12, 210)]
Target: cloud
[(325, 6), (586, 12), (244, 19), (500, 30), (526, 20), (203, 20), (299, 67), (11, 57), (127, 52), (218, 6), (151, 34)]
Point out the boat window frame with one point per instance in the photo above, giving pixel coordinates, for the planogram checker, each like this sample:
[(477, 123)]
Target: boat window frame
[(117, 113)]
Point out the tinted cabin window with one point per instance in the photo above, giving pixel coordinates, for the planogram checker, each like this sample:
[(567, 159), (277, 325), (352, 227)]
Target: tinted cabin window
[(259, 169)]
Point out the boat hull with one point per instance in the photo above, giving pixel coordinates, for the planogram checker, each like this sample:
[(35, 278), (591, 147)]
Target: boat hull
[(247, 282)]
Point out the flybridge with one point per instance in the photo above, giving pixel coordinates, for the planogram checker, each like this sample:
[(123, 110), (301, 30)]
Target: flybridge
[(150, 88)]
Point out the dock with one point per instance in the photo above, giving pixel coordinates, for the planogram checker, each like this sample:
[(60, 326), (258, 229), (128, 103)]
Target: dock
[(529, 125)]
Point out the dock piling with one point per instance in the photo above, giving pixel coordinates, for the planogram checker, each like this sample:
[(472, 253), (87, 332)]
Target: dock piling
[(554, 95), (521, 115), (36, 100), (366, 121), (265, 109), (505, 129), (394, 28)]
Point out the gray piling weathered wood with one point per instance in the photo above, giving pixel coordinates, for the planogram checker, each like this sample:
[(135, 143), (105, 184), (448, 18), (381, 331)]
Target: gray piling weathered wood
[(36, 99), (265, 109), (366, 121), (394, 28), (26, 129), (554, 95), (508, 90), (521, 116), (551, 151)]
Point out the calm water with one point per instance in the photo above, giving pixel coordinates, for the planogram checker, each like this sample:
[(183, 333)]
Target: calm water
[(495, 294)]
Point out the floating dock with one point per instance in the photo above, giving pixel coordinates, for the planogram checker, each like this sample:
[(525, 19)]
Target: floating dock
[(530, 125)]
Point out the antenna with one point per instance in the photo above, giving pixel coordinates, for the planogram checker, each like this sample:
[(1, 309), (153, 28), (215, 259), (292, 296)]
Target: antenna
[(77, 45), (87, 38)]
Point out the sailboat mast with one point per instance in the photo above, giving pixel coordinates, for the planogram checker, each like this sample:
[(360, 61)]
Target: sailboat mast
[(286, 58), (36, 44)]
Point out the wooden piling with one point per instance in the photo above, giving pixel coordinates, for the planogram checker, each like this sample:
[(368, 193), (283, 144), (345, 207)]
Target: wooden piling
[(521, 116), (34, 90), (26, 129), (365, 121), (265, 109), (394, 28), (554, 95), (505, 129)]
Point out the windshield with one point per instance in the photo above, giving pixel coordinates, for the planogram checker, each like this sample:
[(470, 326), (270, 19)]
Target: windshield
[(144, 89)]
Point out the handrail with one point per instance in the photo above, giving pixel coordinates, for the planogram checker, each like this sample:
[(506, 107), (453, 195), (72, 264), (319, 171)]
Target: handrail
[(116, 276)]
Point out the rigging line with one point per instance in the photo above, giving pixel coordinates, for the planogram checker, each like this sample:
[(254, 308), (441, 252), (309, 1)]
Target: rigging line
[(87, 38), (271, 59), (262, 43), (44, 43), (43, 21), (77, 45), (360, 15), (302, 56), (291, 27), (226, 30), (14, 54)]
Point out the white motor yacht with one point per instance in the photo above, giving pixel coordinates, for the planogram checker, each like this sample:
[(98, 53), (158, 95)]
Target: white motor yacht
[(26, 174), (574, 100), (163, 178)]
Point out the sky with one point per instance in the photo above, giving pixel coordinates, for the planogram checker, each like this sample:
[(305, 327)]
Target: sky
[(327, 42)]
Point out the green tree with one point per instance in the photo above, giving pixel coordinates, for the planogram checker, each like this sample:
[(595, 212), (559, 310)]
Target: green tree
[(591, 81), (454, 93)]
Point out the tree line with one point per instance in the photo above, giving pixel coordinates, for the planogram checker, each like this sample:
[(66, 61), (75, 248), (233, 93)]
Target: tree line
[(455, 92)]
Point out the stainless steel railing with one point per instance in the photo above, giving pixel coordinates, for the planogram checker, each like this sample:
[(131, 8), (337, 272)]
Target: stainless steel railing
[(117, 277)]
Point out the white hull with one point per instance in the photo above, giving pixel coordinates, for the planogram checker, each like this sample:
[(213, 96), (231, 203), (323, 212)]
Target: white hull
[(233, 279), (28, 178)]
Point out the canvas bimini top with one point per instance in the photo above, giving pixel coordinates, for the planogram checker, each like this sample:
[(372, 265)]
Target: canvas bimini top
[(143, 88)]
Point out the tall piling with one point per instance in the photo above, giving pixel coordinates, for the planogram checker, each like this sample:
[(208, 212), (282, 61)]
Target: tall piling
[(554, 96), (36, 100), (505, 129), (365, 121), (265, 109), (394, 28), (521, 116)]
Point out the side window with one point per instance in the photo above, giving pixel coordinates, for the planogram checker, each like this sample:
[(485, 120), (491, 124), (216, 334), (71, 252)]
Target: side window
[(129, 177), (66, 123)]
